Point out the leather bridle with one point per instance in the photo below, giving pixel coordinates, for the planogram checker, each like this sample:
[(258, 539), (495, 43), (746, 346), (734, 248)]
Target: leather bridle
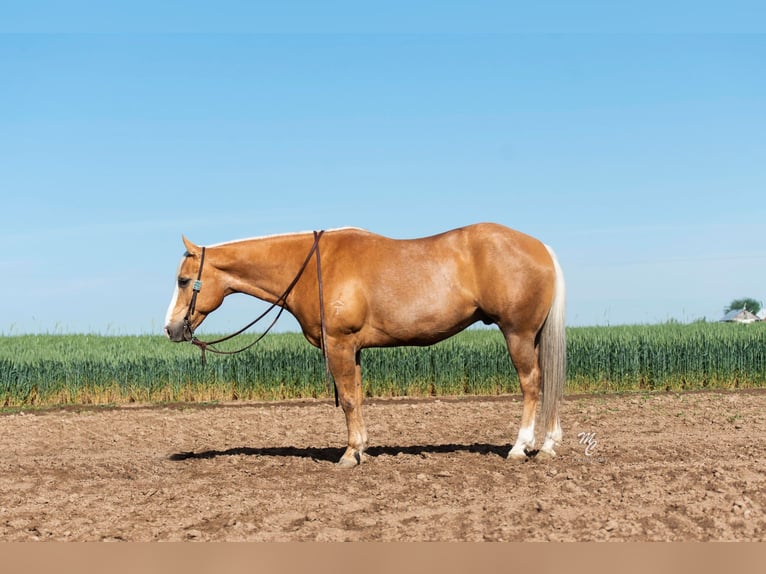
[(195, 290)]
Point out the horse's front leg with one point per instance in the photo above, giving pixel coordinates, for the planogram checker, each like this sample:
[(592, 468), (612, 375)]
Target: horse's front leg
[(345, 366)]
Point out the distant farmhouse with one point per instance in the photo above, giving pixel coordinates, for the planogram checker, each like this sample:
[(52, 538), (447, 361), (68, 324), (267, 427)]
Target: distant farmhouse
[(740, 316)]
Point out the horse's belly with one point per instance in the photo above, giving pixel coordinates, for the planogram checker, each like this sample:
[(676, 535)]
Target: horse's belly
[(420, 320)]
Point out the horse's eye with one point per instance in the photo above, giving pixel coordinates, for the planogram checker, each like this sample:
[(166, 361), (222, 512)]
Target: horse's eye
[(183, 282)]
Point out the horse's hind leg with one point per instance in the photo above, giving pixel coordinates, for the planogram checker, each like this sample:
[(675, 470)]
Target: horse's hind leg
[(345, 365), (525, 356)]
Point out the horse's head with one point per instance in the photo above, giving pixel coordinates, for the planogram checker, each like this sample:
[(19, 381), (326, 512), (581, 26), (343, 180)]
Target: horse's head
[(197, 293)]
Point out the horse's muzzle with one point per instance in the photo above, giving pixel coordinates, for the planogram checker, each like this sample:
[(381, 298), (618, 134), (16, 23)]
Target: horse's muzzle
[(178, 332)]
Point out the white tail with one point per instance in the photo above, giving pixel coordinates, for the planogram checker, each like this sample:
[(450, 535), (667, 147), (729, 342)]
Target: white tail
[(553, 352)]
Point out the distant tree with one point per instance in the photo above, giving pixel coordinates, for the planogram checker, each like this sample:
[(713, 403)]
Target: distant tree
[(745, 303)]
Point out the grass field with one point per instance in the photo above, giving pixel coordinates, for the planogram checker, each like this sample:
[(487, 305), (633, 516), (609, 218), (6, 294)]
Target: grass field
[(91, 369)]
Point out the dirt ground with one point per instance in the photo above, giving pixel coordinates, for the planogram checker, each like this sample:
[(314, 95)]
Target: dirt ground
[(674, 467)]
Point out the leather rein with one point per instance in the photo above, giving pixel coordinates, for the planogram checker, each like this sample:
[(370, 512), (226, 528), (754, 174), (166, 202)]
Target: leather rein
[(280, 302)]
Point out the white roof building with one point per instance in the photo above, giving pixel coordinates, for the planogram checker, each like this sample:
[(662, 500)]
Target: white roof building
[(739, 316)]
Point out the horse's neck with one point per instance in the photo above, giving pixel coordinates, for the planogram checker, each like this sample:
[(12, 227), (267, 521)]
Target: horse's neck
[(265, 267)]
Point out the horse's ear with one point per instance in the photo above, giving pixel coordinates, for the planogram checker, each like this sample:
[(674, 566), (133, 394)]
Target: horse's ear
[(190, 247)]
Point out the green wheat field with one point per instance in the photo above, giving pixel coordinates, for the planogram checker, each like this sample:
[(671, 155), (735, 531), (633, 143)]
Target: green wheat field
[(50, 370)]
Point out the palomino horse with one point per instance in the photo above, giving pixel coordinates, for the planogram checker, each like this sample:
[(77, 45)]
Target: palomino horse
[(381, 292)]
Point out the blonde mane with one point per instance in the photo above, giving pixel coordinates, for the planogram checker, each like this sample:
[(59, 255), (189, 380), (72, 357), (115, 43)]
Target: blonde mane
[(276, 235)]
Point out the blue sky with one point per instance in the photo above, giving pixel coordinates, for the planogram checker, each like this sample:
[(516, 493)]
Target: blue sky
[(634, 145)]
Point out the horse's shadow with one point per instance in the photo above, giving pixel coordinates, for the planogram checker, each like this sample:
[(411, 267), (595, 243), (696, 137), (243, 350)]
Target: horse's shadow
[(330, 454)]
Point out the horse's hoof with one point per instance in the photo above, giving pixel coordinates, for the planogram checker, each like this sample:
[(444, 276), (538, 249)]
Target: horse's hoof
[(350, 460), (517, 456), (546, 454)]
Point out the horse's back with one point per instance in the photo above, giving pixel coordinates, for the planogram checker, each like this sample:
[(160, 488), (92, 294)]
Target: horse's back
[(487, 251), (478, 236)]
